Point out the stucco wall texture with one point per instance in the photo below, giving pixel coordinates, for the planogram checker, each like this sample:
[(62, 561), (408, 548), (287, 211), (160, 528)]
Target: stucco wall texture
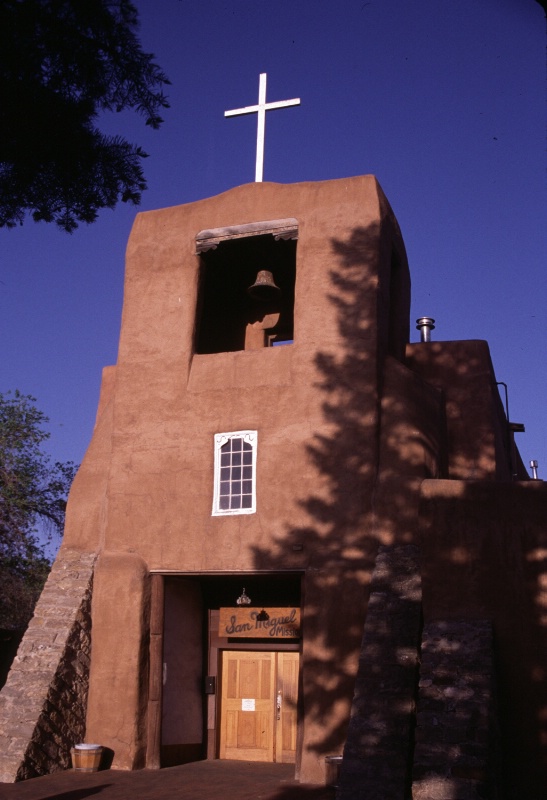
[(364, 442), (144, 492), (348, 424)]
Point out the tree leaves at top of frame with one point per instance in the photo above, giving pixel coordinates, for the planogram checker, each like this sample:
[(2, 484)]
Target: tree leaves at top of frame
[(62, 64)]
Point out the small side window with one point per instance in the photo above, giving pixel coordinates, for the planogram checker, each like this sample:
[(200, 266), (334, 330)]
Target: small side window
[(235, 471)]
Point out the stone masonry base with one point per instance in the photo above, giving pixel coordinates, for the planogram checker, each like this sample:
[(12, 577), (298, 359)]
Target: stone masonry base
[(42, 705), (378, 751), (456, 752)]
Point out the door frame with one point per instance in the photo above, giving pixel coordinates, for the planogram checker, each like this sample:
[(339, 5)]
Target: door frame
[(212, 644), (216, 644)]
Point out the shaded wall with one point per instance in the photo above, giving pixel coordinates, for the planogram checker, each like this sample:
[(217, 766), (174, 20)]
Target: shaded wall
[(484, 551), (477, 442), (183, 678), (457, 752)]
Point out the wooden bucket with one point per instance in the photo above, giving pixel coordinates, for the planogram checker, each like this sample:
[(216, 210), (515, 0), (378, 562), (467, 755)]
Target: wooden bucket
[(86, 757)]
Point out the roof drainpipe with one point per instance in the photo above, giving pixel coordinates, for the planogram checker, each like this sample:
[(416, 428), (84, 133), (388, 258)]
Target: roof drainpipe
[(425, 325)]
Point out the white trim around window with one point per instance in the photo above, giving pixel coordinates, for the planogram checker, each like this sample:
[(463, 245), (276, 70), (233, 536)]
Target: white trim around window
[(235, 473)]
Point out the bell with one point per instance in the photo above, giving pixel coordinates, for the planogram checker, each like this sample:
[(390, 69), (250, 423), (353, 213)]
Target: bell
[(264, 288)]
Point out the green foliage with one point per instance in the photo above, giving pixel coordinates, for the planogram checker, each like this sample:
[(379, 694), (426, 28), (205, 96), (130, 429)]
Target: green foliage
[(21, 582), (62, 63), (33, 496)]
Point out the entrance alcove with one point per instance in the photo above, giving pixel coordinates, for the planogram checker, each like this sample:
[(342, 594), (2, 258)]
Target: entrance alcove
[(228, 318), (193, 654)]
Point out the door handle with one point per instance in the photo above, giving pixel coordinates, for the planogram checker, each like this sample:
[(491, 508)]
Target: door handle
[(278, 705)]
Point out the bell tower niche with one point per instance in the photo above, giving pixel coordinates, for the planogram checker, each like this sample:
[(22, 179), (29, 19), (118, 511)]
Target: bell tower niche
[(246, 287)]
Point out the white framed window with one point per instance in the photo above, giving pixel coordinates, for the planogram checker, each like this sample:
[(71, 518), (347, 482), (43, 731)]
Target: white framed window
[(235, 473)]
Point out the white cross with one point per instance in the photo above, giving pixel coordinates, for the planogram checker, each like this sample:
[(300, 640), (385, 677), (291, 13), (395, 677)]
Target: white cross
[(261, 109)]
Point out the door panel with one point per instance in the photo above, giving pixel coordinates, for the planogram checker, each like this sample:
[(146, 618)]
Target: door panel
[(287, 687), (258, 706), (247, 702)]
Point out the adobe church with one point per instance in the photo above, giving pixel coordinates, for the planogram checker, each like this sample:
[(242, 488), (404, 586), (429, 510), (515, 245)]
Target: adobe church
[(294, 535)]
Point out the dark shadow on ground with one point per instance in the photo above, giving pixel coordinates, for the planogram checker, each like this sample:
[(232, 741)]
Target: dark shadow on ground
[(36, 789), (204, 780)]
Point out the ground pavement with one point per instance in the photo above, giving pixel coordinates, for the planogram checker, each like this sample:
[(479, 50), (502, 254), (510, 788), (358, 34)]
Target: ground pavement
[(201, 780)]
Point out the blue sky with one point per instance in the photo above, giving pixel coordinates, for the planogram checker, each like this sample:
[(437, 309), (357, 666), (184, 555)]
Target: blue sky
[(442, 100)]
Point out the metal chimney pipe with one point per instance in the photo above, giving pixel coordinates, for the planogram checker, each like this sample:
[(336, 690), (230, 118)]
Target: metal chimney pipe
[(425, 325), (534, 466)]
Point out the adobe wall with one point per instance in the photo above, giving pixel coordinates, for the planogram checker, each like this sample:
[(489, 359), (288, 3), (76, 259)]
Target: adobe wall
[(118, 686), (352, 452), (484, 549), (474, 540), (411, 446), (87, 502), (379, 746), (476, 445), (314, 405), (169, 402)]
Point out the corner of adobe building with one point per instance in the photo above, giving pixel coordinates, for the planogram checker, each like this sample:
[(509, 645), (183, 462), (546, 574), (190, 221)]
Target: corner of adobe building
[(116, 711)]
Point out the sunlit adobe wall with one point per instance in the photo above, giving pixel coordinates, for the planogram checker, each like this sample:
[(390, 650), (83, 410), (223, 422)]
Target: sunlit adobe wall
[(313, 404), (169, 401)]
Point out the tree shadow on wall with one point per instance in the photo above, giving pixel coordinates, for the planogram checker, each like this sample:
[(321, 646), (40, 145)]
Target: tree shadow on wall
[(345, 517), (489, 543), (380, 433)]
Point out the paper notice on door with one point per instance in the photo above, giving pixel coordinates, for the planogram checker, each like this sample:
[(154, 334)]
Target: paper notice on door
[(247, 705)]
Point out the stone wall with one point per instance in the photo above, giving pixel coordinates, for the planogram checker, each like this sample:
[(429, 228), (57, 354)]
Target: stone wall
[(378, 752), (456, 740), (43, 704), (453, 752)]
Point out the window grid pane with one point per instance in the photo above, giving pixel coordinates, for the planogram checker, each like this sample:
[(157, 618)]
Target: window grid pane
[(235, 482)]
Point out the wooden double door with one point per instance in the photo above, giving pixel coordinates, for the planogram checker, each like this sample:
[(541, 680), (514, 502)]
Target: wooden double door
[(258, 706)]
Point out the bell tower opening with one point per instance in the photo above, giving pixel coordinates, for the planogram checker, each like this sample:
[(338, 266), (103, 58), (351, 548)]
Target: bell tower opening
[(246, 289)]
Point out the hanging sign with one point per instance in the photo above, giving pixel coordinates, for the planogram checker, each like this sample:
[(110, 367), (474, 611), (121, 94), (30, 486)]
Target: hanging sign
[(260, 623)]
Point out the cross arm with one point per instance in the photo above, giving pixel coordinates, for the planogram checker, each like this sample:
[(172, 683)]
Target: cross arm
[(236, 111), (283, 104)]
